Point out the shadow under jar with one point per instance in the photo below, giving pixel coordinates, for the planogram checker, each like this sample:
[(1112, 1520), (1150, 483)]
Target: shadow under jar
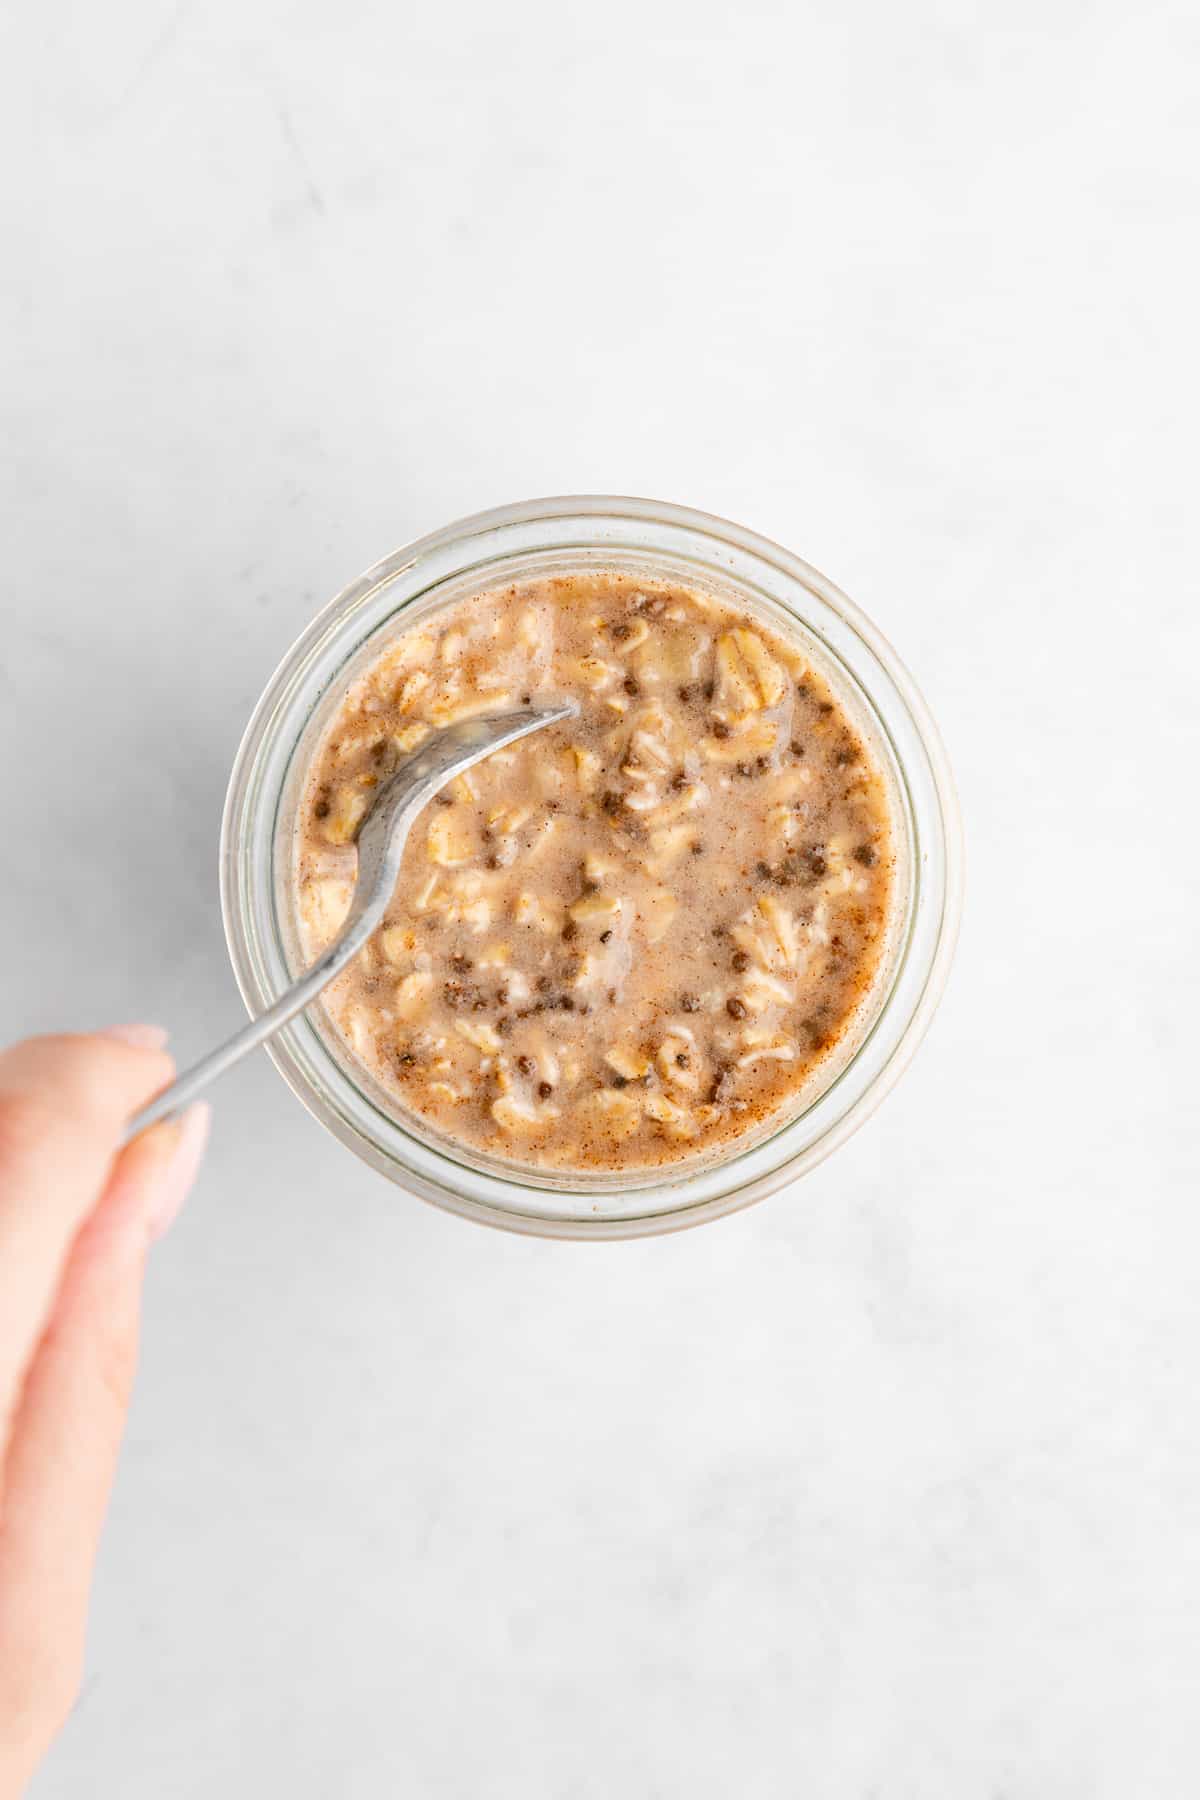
[(631, 545)]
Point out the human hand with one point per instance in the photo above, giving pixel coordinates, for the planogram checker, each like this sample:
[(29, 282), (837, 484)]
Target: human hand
[(76, 1220)]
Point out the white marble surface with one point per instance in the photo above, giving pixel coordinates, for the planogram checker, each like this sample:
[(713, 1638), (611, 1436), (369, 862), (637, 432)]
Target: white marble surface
[(886, 1490)]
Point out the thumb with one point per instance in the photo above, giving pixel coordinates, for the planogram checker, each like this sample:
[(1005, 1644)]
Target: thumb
[(66, 1433)]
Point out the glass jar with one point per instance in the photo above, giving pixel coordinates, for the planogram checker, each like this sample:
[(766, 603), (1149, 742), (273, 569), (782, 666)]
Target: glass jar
[(553, 537)]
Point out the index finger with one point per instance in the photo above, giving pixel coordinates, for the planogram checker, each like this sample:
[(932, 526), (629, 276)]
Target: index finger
[(63, 1102)]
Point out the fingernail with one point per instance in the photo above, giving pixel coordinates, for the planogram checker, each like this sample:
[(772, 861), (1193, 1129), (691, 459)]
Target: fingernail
[(180, 1172), (142, 1037)]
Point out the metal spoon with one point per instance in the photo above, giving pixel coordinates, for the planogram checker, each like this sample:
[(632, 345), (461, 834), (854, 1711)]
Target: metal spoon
[(381, 841)]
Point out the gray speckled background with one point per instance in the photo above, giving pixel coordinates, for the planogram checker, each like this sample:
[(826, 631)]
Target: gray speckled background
[(887, 1489)]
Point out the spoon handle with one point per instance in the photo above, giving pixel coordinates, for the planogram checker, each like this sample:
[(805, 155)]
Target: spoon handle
[(381, 842), (187, 1086)]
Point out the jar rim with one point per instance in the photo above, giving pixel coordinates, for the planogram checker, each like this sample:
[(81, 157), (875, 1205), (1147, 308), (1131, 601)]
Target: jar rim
[(670, 1198)]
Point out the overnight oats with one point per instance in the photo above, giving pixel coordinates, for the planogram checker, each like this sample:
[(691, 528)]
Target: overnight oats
[(642, 934)]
